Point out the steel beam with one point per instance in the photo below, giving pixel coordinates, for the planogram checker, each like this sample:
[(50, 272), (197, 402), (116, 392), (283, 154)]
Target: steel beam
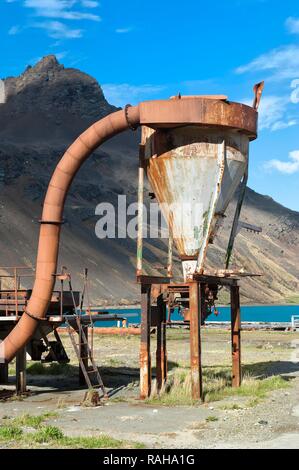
[(236, 336), (21, 383), (145, 349), (161, 354), (195, 306)]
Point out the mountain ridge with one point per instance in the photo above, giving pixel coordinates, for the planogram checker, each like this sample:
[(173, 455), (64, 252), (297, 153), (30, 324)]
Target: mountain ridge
[(47, 107)]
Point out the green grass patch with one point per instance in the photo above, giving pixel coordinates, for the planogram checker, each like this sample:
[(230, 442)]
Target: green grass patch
[(253, 402), (217, 386), (211, 419), (53, 368), (47, 434), (54, 437), (232, 407), (10, 433), (251, 387), (31, 421)]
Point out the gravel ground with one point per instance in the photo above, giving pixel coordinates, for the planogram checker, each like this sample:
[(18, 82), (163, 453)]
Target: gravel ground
[(272, 423)]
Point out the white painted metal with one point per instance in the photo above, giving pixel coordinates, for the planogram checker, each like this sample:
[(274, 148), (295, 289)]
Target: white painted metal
[(183, 167), (295, 321)]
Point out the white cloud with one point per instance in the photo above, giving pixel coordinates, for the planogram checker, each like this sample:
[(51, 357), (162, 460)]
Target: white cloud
[(290, 167), (58, 30), (61, 9), (14, 30), (61, 55), (283, 62), (283, 124), (292, 25), (123, 30), (272, 112), (121, 94), (89, 3)]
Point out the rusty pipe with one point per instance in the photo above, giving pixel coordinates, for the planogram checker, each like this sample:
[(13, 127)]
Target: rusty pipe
[(51, 221)]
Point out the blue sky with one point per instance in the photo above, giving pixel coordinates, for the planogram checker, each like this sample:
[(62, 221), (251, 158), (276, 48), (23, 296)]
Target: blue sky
[(141, 50)]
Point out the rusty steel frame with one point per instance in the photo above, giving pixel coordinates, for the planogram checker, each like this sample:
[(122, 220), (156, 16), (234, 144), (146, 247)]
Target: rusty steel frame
[(140, 210), (236, 336), (204, 246), (83, 349), (213, 112), (196, 289), (195, 308), (145, 342), (147, 321), (161, 353), (196, 304), (21, 382), (235, 224)]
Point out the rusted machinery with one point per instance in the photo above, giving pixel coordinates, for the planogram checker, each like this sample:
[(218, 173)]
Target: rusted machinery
[(67, 309), (194, 151)]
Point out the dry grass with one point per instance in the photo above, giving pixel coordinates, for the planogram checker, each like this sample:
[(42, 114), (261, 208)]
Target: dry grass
[(217, 386)]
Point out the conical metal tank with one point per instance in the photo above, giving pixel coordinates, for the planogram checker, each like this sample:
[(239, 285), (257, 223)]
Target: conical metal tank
[(194, 171)]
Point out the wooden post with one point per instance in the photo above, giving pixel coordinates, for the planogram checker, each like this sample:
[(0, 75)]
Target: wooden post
[(195, 306), (236, 336), (145, 348), (83, 354), (161, 355), (21, 383)]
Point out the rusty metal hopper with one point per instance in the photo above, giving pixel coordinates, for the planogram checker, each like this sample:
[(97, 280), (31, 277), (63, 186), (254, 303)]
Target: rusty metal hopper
[(194, 171)]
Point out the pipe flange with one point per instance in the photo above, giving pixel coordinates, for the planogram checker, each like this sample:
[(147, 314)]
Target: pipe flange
[(131, 126), (34, 317), (51, 222)]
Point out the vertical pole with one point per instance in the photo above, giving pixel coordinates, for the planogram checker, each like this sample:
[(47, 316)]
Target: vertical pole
[(140, 210), (3, 374), (195, 306), (161, 355), (145, 351), (83, 354), (236, 336), (170, 261), (16, 292), (164, 346), (21, 386)]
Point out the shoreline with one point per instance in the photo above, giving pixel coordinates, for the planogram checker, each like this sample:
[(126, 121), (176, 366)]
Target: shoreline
[(138, 306)]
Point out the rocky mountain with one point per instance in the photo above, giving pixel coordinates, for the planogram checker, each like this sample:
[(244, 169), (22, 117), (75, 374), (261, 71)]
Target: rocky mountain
[(46, 108)]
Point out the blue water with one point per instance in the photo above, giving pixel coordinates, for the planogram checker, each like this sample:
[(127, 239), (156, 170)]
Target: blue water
[(261, 313)]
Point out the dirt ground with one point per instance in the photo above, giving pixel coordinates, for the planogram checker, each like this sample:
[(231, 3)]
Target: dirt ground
[(231, 421)]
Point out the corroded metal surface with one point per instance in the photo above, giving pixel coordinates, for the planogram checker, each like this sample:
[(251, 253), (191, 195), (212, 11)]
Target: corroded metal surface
[(195, 302), (194, 173), (236, 336), (199, 111), (51, 220)]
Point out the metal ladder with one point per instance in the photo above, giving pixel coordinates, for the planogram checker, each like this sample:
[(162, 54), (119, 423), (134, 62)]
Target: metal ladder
[(77, 346)]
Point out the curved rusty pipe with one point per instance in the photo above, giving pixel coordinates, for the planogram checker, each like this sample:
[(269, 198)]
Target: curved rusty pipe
[(48, 246)]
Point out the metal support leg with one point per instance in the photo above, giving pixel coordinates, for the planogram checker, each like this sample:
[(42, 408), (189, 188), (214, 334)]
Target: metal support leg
[(84, 355), (140, 211), (195, 305), (21, 384), (236, 336), (3, 374), (161, 355), (145, 351)]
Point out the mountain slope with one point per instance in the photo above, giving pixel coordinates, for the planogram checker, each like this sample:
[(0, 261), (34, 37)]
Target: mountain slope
[(47, 107)]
